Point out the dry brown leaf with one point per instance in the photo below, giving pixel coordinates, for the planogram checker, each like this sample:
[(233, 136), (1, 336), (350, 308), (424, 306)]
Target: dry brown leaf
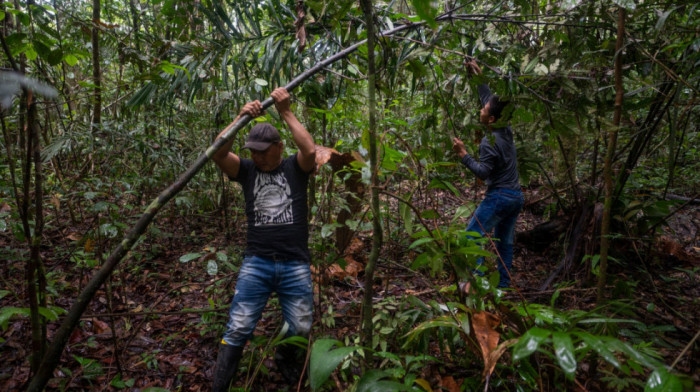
[(448, 383), (352, 268), (483, 324), (4, 207), (100, 326), (356, 246), (74, 236), (495, 355)]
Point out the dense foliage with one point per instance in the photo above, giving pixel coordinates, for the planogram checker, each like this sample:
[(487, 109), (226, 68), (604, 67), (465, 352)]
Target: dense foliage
[(86, 149)]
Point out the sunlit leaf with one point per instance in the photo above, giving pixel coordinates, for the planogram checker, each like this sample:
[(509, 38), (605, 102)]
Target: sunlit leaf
[(564, 350), (529, 343)]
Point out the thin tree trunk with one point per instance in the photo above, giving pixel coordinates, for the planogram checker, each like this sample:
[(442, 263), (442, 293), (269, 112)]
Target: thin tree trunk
[(367, 327), (71, 320), (608, 171), (36, 278), (96, 73)]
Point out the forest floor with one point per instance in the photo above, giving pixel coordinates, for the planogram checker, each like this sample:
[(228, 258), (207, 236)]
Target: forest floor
[(156, 325)]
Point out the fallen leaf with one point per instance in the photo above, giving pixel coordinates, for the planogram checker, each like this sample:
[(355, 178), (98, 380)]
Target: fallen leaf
[(483, 324), (74, 236), (100, 326), (448, 383)]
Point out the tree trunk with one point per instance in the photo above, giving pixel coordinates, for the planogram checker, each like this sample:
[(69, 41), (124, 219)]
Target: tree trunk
[(36, 279), (367, 327), (608, 171), (96, 73)]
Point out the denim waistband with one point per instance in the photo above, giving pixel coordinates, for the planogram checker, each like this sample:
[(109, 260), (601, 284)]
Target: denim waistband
[(514, 192)]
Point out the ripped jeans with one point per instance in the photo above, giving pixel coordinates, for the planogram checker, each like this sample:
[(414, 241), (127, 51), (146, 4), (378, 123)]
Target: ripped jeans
[(257, 279)]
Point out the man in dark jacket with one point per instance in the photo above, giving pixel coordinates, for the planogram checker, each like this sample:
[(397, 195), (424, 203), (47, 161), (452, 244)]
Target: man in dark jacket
[(497, 165), (276, 258)]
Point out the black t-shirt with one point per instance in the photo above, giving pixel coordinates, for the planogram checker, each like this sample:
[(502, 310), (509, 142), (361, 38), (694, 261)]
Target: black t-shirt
[(276, 207)]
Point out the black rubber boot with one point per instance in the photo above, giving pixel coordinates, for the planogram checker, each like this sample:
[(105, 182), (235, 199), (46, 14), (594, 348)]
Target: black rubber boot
[(290, 362), (226, 365)]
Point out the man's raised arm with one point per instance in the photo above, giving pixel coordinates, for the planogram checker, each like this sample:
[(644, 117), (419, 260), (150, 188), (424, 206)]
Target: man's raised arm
[(227, 161), (307, 149)]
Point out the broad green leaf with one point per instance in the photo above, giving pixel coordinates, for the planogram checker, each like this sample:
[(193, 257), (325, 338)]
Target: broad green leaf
[(564, 349), (189, 257), (324, 359), (529, 343), (31, 53), (260, 82), (70, 59)]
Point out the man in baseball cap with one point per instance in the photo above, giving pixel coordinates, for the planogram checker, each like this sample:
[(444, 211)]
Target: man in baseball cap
[(277, 257)]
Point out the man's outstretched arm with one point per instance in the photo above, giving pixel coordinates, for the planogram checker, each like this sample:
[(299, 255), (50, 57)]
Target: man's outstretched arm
[(307, 149)]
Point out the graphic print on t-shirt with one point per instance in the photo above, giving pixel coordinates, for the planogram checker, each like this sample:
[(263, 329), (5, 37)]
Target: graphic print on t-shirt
[(273, 202)]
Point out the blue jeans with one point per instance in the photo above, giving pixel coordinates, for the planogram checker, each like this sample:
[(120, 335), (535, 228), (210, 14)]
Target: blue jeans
[(499, 210), (257, 279)]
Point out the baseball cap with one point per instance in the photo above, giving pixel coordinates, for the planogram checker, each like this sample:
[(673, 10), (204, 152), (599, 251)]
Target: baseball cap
[(262, 136)]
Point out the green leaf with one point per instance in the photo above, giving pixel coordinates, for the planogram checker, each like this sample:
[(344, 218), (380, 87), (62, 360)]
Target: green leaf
[(324, 360), (70, 59), (7, 313), (260, 82), (564, 349), (31, 53), (420, 242), (661, 380), (189, 257), (599, 345), (441, 184), (328, 229), (51, 314), (662, 19), (425, 11), (529, 343), (442, 321)]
